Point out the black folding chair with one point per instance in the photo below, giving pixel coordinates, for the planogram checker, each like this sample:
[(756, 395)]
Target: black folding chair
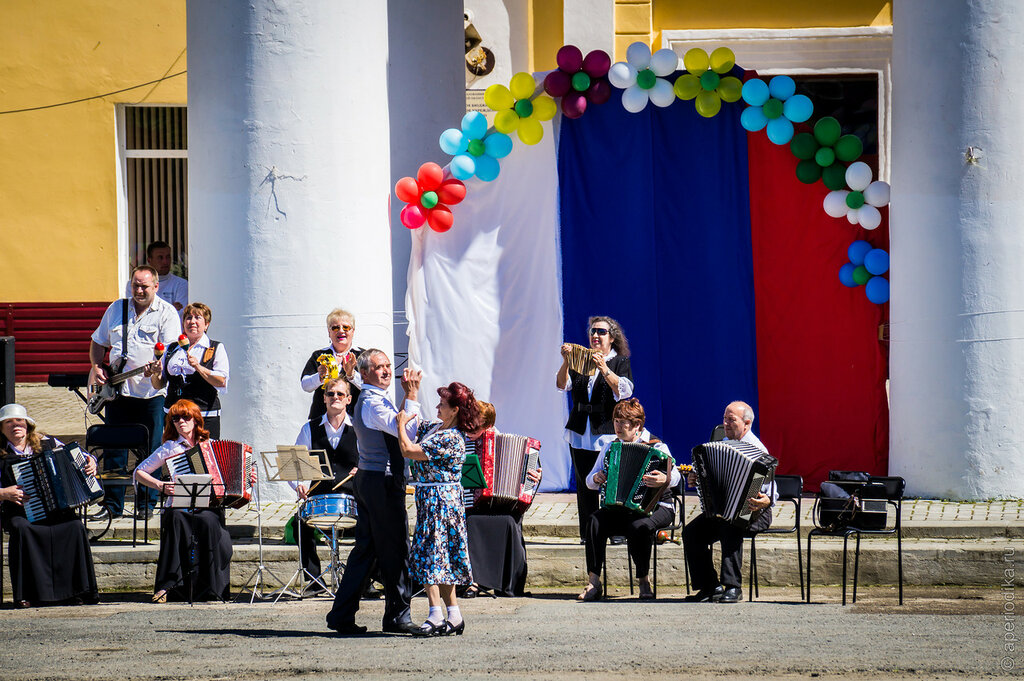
[(133, 437), (790, 488)]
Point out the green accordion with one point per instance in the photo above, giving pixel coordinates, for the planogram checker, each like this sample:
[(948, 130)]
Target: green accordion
[(625, 464)]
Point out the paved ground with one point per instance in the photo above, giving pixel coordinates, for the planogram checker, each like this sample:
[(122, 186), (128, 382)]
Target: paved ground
[(938, 635)]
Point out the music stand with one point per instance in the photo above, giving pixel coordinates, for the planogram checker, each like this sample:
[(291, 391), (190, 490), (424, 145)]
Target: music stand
[(296, 463), (256, 579), (192, 492)]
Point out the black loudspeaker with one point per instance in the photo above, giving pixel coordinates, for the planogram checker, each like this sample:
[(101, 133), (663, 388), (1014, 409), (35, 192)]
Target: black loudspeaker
[(6, 369)]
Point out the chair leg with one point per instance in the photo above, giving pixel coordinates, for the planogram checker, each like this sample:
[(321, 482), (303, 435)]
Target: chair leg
[(899, 561), (629, 567), (604, 577), (846, 538), (800, 564), (808, 598), (654, 568), (856, 567), (753, 569), (686, 569)]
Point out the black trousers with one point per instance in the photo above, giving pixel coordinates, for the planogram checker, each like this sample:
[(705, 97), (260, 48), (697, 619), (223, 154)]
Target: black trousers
[(586, 499), (702, 532), (381, 533), (123, 411), (638, 530)]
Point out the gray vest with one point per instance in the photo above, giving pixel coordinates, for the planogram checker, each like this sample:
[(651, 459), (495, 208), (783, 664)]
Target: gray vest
[(376, 448)]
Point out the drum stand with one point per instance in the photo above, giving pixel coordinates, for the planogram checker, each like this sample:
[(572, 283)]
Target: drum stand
[(300, 572), (257, 581)]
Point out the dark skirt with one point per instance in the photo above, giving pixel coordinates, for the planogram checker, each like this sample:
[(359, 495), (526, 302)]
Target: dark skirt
[(208, 570), (50, 561), (497, 552)]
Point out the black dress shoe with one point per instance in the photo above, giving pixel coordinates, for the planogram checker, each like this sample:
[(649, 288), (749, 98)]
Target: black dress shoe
[(428, 628), (349, 629), (22, 604), (458, 629), (733, 594), (706, 595), (403, 627)]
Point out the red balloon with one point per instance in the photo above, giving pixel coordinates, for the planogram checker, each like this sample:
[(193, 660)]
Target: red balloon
[(574, 104), (413, 216), (557, 83), (440, 218), (569, 58), (407, 190), (451, 192), (597, 64), (429, 176), (599, 91)]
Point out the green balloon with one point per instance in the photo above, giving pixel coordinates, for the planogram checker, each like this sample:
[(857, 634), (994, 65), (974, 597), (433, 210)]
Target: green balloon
[(834, 176), (772, 109), (855, 200), (580, 81), (524, 108), (807, 171), (477, 148), (803, 146), (827, 131), (861, 275), (825, 157), (849, 148), (646, 79), (428, 200), (709, 80)]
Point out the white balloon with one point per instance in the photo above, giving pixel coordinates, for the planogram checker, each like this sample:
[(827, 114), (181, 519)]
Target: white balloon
[(634, 99), (851, 217), (622, 75), (664, 62), (877, 194), (869, 216), (662, 93), (858, 176), (835, 203), (638, 55)]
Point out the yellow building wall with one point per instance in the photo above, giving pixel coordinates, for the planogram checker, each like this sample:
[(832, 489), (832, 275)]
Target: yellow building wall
[(546, 33), (58, 193)]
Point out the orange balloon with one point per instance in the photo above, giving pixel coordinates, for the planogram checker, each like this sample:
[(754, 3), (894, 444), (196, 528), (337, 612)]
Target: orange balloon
[(430, 176), (407, 190), (440, 218), (451, 191)]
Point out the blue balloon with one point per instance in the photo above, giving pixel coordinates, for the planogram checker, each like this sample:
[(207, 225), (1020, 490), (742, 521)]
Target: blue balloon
[(487, 168), (876, 261), (498, 145), (780, 130), (877, 290), (857, 250), (474, 124), (798, 108), (846, 275), (755, 92), (781, 87), (462, 166), (451, 141), (753, 119)]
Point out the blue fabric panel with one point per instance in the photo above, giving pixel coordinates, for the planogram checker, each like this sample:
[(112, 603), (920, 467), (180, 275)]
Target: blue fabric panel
[(655, 232)]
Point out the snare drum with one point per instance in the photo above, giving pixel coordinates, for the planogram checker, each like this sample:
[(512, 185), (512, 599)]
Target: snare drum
[(325, 511)]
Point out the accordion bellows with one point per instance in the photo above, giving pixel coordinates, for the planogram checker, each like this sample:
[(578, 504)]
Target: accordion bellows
[(505, 459), (625, 464), (730, 473)]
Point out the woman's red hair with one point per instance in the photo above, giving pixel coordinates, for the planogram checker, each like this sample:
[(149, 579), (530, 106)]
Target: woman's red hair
[(458, 395), (180, 408)]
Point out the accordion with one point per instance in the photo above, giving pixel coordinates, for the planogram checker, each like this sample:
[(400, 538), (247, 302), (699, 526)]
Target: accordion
[(729, 474), (198, 460), (55, 482), (237, 471), (581, 360), (625, 464), (506, 458)]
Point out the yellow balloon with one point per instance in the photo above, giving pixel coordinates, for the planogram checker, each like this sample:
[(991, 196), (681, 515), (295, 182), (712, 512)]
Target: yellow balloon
[(722, 60), (708, 104), (696, 61), (530, 131), (687, 86), (497, 97), (730, 88), (522, 85), (506, 121), (544, 108)]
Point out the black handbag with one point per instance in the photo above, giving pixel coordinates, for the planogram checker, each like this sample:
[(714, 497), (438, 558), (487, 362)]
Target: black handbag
[(849, 500)]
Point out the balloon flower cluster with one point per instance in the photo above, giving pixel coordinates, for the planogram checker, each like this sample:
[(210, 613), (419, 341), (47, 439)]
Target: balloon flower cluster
[(866, 266)]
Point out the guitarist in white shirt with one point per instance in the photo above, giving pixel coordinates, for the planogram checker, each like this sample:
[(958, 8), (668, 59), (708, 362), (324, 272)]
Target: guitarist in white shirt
[(130, 330)]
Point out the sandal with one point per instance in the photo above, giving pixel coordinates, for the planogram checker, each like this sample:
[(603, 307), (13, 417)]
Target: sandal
[(160, 596), (590, 594), (646, 592)]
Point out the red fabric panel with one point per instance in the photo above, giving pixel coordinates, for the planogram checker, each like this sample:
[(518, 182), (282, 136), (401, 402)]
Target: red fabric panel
[(50, 337), (821, 369)]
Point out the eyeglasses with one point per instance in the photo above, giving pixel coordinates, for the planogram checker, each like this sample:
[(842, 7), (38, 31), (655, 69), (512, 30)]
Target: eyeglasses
[(182, 417), (346, 327), (599, 332), (335, 393)]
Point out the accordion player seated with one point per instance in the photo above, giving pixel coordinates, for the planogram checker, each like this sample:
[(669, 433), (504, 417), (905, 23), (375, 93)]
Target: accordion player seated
[(634, 473)]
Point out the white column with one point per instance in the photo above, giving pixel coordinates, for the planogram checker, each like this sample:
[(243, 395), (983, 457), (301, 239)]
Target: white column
[(957, 313), (289, 189), (589, 24)]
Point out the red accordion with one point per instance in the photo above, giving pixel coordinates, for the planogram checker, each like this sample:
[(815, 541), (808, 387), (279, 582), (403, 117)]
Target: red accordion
[(505, 459), (237, 469)]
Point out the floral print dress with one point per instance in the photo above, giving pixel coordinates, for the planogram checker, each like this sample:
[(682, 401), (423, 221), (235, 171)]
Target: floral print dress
[(440, 550)]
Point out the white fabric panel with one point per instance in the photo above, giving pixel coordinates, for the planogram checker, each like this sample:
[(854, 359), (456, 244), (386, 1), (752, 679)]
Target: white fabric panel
[(484, 302)]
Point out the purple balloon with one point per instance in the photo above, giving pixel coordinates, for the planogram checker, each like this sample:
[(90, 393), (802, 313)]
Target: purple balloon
[(569, 58), (599, 91), (557, 83), (597, 64), (574, 104)]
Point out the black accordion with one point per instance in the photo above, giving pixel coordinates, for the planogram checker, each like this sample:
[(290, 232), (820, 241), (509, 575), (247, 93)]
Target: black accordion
[(729, 474), (625, 464), (55, 482)]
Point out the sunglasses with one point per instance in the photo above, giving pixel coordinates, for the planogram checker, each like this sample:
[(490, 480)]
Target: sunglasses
[(338, 327), (182, 417), (335, 393), (599, 332)]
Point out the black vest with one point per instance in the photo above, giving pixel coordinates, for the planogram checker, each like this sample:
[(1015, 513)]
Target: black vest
[(193, 386), (317, 408), (343, 458), (598, 408)]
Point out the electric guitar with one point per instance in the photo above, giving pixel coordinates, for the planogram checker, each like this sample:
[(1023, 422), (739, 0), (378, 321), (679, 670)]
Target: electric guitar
[(100, 395)]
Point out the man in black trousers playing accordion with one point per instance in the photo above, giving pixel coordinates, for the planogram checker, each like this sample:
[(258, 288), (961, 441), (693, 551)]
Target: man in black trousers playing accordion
[(703, 531)]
